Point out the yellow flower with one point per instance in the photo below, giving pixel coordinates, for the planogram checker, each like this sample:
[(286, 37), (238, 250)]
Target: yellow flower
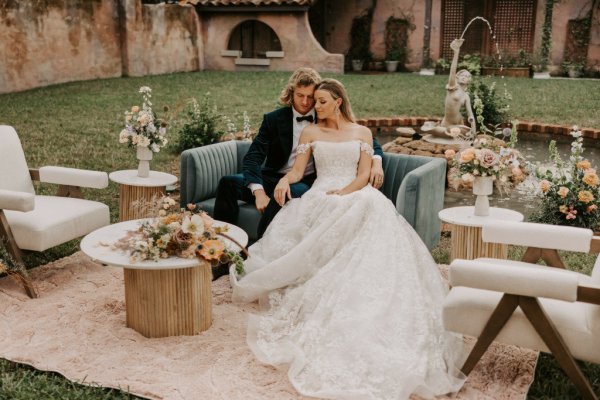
[(584, 164), (585, 196), (545, 186), (563, 209), (563, 192), (590, 179), (211, 250), (467, 155)]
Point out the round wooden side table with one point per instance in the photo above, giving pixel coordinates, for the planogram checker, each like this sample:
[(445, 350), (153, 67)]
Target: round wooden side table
[(168, 297), (466, 229), (132, 188)]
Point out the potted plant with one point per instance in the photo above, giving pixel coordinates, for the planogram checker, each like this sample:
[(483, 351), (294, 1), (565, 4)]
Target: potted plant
[(360, 39), (471, 62), (539, 64), (505, 64), (574, 69), (392, 59)]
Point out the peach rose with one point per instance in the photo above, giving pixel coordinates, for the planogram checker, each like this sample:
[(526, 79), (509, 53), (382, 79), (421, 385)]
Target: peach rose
[(135, 109), (563, 192), (545, 186), (516, 172), (591, 208), (590, 179), (563, 209), (455, 131), (467, 155), (449, 154), (585, 197), (584, 164)]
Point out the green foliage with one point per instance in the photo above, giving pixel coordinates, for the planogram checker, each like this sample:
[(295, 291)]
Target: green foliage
[(360, 36), (489, 107), (520, 60), (396, 39), (202, 128), (470, 62)]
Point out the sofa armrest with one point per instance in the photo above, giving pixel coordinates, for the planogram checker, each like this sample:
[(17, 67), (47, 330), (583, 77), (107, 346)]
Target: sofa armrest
[(420, 198), (523, 280), (203, 167), (16, 201), (74, 177)]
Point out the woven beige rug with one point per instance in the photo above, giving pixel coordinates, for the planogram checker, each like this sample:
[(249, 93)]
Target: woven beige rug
[(77, 328)]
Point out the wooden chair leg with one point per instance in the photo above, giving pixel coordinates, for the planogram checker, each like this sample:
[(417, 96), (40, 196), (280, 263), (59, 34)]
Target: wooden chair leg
[(549, 256), (547, 331), (498, 319), (14, 251)]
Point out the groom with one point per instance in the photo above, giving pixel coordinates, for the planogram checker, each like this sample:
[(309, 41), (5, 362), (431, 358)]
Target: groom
[(275, 146)]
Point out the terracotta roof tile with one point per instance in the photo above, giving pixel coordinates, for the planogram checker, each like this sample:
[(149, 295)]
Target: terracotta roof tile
[(255, 2)]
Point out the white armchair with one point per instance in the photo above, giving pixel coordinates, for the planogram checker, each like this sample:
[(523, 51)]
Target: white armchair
[(37, 223), (533, 306)]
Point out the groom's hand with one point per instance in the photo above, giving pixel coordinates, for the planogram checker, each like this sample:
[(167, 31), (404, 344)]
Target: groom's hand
[(376, 177), (262, 200)]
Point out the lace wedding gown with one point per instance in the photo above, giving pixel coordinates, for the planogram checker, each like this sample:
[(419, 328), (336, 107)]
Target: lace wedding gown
[(352, 296)]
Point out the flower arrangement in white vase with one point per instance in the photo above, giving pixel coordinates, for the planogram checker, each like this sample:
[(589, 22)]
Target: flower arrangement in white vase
[(486, 162), (144, 131)]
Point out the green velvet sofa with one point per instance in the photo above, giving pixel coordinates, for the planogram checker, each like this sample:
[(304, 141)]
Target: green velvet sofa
[(414, 184)]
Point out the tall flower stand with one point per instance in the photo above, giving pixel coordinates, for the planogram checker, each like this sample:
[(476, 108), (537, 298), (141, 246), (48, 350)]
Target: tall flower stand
[(133, 188)]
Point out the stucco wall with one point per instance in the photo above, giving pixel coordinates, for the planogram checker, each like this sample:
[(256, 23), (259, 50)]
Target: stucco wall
[(298, 44), (57, 41), (160, 38)]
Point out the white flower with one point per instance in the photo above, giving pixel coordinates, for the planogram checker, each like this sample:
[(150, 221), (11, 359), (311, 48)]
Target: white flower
[(162, 131), (143, 141), (193, 225), (154, 147), (151, 128), (135, 139), (173, 226), (467, 178), (124, 136), (145, 89)]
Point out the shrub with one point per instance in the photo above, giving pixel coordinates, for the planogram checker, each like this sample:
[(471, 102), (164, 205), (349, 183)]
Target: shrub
[(489, 106), (202, 128)]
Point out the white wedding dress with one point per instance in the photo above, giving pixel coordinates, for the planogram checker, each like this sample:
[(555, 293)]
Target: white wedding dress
[(352, 296)]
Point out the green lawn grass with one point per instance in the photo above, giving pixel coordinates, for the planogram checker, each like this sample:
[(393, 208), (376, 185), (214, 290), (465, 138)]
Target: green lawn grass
[(77, 125)]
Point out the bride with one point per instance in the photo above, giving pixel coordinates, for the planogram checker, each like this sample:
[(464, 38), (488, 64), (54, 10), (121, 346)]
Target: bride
[(352, 296)]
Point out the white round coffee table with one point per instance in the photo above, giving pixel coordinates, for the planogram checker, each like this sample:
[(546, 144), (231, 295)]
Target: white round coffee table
[(466, 232), (169, 297), (132, 188)]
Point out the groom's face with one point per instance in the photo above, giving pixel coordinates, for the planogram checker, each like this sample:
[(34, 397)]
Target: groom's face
[(304, 99)]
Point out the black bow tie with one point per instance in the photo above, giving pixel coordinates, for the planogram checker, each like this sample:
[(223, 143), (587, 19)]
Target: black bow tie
[(308, 118)]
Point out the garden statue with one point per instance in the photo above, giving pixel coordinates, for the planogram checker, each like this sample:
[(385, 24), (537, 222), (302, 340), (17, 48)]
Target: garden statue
[(452, 126)]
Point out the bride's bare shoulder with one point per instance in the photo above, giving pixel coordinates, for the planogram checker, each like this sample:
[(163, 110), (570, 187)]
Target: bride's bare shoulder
[(363, 133)]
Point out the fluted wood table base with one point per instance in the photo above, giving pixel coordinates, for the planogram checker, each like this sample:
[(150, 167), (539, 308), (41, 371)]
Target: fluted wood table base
[(467, 244), (169, 302)]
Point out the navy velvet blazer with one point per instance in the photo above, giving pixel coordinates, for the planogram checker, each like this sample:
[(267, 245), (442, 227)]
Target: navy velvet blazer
[(273, 146)]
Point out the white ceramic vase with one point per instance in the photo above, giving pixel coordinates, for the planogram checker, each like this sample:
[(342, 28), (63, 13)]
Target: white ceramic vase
[(483, 186), (144, 155)]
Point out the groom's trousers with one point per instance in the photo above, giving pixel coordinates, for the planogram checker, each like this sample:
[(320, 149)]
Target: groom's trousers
[(233, 188)]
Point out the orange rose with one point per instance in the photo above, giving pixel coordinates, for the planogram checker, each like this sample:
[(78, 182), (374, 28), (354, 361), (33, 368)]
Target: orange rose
[(563, 192), (211, 250), (467, 155), (590, 179), (591, 208), (584, 164), (585, 196), (545, 186), (563, 209)]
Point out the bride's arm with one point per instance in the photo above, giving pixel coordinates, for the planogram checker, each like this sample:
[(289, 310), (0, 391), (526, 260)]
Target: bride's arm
[(303, 153)]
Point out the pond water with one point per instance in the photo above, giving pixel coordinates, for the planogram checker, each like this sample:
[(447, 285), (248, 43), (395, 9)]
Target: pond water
[(534, 147)]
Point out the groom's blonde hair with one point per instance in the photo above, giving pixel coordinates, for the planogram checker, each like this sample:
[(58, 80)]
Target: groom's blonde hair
[(303, 76)]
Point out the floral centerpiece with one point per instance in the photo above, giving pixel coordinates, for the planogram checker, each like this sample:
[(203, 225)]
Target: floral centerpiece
[(569, 192), (486, 161), (177, 232), (144, 131)]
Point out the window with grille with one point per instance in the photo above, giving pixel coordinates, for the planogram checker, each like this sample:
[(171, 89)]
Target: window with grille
[(513, 22)]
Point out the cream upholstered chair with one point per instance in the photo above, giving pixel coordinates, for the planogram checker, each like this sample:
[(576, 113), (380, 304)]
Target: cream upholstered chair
[(32, 222), (529, 305)]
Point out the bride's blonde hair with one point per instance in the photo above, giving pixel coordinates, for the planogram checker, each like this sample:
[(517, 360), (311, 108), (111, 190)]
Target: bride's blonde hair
[(337, 91)]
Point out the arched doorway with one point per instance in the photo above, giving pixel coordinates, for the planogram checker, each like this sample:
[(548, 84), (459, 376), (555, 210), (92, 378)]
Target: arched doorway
[(254, 39)]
